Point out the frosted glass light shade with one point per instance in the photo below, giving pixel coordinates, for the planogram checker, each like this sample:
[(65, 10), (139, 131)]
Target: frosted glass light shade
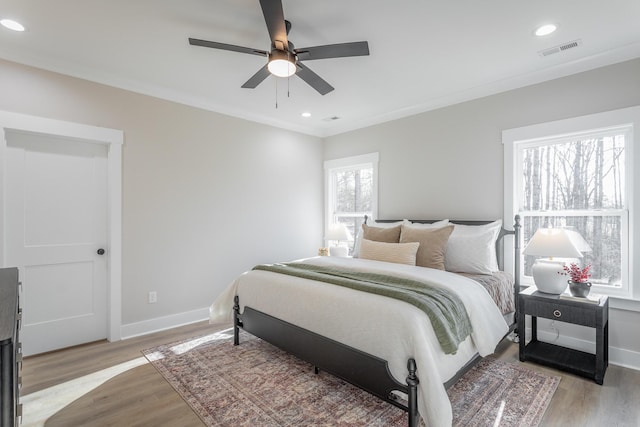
[(281, 63), (281, 68)]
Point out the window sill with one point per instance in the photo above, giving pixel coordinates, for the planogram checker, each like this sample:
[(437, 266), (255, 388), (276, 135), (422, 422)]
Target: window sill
[(627, 304)]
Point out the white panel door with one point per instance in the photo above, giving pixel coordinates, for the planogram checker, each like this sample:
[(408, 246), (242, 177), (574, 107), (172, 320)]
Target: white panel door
[(56, 223)]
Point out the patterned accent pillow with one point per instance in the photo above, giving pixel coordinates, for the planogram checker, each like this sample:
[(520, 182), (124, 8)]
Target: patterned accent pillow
[(433, 242), (400, 253)]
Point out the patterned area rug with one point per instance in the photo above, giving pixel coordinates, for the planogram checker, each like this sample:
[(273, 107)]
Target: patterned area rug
[(257, 384)]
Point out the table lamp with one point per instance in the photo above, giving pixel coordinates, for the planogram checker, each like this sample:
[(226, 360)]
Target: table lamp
[(338, 233), (550, 243)]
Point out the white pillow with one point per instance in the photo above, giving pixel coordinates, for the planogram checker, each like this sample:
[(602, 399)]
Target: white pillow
[(400, 253), (371, 223), (437, 224), (472, 249)]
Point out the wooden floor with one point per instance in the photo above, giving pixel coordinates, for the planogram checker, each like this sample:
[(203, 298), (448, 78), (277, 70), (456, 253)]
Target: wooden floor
[(141, 397)]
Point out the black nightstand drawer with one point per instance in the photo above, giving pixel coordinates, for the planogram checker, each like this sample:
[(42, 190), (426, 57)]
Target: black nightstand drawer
[(584, 316)]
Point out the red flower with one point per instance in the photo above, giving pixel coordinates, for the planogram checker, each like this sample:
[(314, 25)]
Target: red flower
[(577, 274)]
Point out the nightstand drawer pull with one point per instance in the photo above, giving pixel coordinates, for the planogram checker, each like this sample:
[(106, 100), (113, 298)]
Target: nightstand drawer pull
[(557, 313)]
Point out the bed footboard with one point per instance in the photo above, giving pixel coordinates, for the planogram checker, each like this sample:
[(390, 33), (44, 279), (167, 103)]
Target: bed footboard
[(361, 369)]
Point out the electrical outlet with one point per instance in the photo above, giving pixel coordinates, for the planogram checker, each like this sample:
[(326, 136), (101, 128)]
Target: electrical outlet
[(153, 297)]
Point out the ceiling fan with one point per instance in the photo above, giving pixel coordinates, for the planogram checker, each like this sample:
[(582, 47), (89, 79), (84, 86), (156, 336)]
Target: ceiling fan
[(284, 59)]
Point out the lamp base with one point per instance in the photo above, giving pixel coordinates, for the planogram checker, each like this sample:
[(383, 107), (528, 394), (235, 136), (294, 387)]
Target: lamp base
[(341, 251), (547, 278)]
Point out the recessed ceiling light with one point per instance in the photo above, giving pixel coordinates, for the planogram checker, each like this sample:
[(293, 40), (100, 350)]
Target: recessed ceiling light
[(306, 114), (545, 30), (12, 25)]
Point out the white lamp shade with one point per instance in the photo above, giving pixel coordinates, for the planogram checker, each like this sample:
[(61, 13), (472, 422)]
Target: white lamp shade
[(552, 242), (578, 241), (338, 232)]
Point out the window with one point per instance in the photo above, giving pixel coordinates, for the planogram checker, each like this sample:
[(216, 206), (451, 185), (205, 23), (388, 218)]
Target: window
[(351, 191), (577, 174)]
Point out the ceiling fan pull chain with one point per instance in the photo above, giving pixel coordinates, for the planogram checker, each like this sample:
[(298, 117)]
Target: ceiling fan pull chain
[(276, 94)]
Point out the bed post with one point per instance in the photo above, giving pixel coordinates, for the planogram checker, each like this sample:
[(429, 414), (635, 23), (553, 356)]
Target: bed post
[(236, 320), (412, 395), (516, 267)]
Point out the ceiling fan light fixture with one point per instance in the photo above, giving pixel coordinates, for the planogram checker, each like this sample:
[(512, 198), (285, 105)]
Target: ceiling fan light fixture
[(281, 63)]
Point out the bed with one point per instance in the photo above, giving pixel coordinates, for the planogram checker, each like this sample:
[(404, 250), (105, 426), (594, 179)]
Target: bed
[(383, 345)]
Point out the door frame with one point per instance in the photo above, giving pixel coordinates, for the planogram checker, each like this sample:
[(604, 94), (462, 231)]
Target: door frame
[(113, 139)]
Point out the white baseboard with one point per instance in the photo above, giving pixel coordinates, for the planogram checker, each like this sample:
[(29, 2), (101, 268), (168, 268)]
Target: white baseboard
[(617, 356), (163, 323)]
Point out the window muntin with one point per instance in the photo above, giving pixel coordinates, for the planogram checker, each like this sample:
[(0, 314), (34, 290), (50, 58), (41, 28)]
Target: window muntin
[(579, 182)]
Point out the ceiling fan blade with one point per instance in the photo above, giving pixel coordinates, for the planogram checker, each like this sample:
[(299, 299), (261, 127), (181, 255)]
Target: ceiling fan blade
[(333, 51), (313, 80), (274, 18), (224, 46), (257, 78)]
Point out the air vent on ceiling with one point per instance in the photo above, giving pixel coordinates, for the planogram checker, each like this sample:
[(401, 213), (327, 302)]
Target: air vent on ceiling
[(331, 118), (561, 48)]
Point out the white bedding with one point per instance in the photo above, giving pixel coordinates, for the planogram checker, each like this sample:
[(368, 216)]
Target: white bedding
[(381, 326)]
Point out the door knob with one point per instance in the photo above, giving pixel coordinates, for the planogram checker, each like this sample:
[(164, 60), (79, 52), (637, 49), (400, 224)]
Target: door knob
[(100, 251)]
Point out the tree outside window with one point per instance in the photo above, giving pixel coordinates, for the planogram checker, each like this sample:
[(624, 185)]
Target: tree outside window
[(351, 191), (578, 183)]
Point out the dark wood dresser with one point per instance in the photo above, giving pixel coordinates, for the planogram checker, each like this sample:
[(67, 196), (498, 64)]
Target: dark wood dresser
[(10, 349)]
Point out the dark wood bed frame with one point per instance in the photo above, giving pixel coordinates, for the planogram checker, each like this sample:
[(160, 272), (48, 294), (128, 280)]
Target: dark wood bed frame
[(368, 372)]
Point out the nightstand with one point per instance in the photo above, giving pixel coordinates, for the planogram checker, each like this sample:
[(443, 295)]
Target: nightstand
[(594, 315)]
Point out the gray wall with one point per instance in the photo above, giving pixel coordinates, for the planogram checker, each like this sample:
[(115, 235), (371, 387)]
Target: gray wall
[(205, 196), (448, 163)]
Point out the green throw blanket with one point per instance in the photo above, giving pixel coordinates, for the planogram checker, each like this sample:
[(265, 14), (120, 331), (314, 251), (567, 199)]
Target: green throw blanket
[(446, 311)]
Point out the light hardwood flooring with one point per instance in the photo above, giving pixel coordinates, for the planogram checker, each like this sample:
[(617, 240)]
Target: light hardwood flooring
[(139, 396)]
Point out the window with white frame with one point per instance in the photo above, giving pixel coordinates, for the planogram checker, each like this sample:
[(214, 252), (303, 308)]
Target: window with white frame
[(351, 189), (577, 174)]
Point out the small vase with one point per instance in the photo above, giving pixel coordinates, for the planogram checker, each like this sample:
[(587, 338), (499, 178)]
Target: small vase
[(579, 289)]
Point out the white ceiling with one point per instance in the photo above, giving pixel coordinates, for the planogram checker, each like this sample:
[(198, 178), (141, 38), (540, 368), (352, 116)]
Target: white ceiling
[(425, 54)]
